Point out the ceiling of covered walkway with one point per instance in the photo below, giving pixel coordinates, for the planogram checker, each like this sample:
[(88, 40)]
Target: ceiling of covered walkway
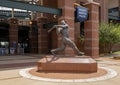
[(28, 5)]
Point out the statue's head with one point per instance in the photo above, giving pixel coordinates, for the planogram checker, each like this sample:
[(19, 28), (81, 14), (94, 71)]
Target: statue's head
[(63, 22), (90, 1)]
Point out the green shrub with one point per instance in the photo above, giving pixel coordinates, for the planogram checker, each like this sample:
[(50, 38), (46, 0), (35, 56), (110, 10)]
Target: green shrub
[(109, 35)]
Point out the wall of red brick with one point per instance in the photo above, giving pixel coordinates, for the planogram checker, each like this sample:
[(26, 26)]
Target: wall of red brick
[(13, 32)]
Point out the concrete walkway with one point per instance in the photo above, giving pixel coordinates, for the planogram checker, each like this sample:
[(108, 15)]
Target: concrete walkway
[(11, 61), (10, 76)]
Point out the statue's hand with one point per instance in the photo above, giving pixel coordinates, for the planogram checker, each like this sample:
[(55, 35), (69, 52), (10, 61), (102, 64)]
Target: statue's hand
[(54, 26), (49, 30)]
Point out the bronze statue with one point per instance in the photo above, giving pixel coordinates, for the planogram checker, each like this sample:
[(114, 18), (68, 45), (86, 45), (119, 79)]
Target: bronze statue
[(63, 29)]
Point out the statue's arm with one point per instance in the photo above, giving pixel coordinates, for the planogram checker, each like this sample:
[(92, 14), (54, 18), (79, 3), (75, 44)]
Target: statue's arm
[(58, 26), (52, 28), (62, 26)]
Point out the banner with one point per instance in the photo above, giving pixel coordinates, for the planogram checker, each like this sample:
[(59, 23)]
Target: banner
[(81, 14)]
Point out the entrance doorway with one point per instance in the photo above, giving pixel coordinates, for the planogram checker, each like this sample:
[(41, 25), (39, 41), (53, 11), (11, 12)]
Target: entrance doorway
[(4, 41), (23, 39)]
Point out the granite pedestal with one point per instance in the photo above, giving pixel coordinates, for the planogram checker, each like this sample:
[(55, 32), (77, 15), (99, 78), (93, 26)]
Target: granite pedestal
[(79, 64)]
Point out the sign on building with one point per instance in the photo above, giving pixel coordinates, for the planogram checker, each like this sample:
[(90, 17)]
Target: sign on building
[(81, 14)]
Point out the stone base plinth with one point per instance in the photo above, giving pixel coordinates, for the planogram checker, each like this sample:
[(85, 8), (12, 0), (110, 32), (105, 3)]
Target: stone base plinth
[(67, 64)]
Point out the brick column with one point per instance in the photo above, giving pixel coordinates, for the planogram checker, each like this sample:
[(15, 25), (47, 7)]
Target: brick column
[(119, 7), (42, 36), (91, 31), (13, 33), (77, 31), (33, 37), (67, 7), (103, 10)]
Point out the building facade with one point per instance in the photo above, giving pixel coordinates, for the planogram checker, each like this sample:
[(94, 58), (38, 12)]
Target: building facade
[(31, 36)]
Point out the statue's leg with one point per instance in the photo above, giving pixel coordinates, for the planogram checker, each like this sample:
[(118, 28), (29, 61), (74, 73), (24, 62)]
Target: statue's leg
[(72, 44), (53, 51)]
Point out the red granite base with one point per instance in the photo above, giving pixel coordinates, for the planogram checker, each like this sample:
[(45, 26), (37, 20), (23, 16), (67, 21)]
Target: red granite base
[(79, 64)]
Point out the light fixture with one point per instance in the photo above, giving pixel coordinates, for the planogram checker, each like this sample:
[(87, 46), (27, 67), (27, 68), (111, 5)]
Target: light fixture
[(30, 22), (54, 16)]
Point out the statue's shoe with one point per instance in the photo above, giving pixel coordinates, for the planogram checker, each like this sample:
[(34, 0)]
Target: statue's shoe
[(81, 53)]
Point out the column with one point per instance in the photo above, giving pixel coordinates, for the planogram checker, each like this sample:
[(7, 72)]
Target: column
[(33, 38), (12, 12), (67, 7), (42, 36), (13, 33), (119, 7), (104, 11), (91, 31), (77, 31)]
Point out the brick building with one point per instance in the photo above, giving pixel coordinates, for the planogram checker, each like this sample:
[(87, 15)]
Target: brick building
[(32, 35)]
